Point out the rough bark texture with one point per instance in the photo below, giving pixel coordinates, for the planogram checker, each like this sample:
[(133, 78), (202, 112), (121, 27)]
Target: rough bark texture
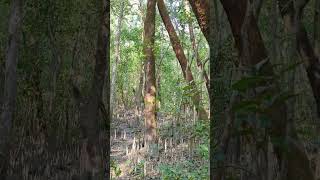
[(252, 51), (211, 22), (175, 42), (107, 91), (10, 85), (292, 13), (93, 151), (150, 80), (201, 10), (317, 28)]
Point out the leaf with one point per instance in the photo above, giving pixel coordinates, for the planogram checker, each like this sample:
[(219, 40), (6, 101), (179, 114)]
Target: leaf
[(246, 83), (246, 106)]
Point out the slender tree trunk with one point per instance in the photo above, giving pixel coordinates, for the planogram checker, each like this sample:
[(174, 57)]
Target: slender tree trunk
[(187, 74), (10, 85), (56, 56), (201, 10), (106, 18), (252, 52), (195, 48), (139, 90), (94, 152), (150, 83), (117, 57)]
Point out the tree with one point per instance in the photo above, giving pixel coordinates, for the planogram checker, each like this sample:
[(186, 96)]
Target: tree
[(150, 78), (195, 48), (201, 11), (93, 150), (117, 54), (292, 14), (317, 28), (183, 61), (10, 86), (252, 51)]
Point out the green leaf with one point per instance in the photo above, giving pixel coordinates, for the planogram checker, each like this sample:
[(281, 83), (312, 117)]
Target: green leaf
[(246, 83)]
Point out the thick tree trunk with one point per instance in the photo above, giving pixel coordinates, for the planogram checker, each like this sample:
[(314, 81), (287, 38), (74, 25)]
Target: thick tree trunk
[(10, 85), (93, 151), (292, 13), (252, 52), (150, 78), (117, 58), (182, 60)]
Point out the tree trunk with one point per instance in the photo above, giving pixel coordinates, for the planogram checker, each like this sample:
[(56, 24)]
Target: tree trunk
[(187, 74), (138, 95), (140, 89), (117, 56), (201, 10), (317, 28), (292, 15), (150, 80), (252, 52), (195, 49), (211, 22), (93, 151), (10, 85)]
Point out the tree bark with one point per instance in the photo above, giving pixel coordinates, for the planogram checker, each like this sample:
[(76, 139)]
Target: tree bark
[(150, 78), (252, 52), (201, 10), (317, 28), (94, 151), (10, 85), (292, 13), (187, 74)]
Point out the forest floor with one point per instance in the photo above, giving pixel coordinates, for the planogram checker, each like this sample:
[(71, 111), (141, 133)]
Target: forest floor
[(131, 161), (32, 158)]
